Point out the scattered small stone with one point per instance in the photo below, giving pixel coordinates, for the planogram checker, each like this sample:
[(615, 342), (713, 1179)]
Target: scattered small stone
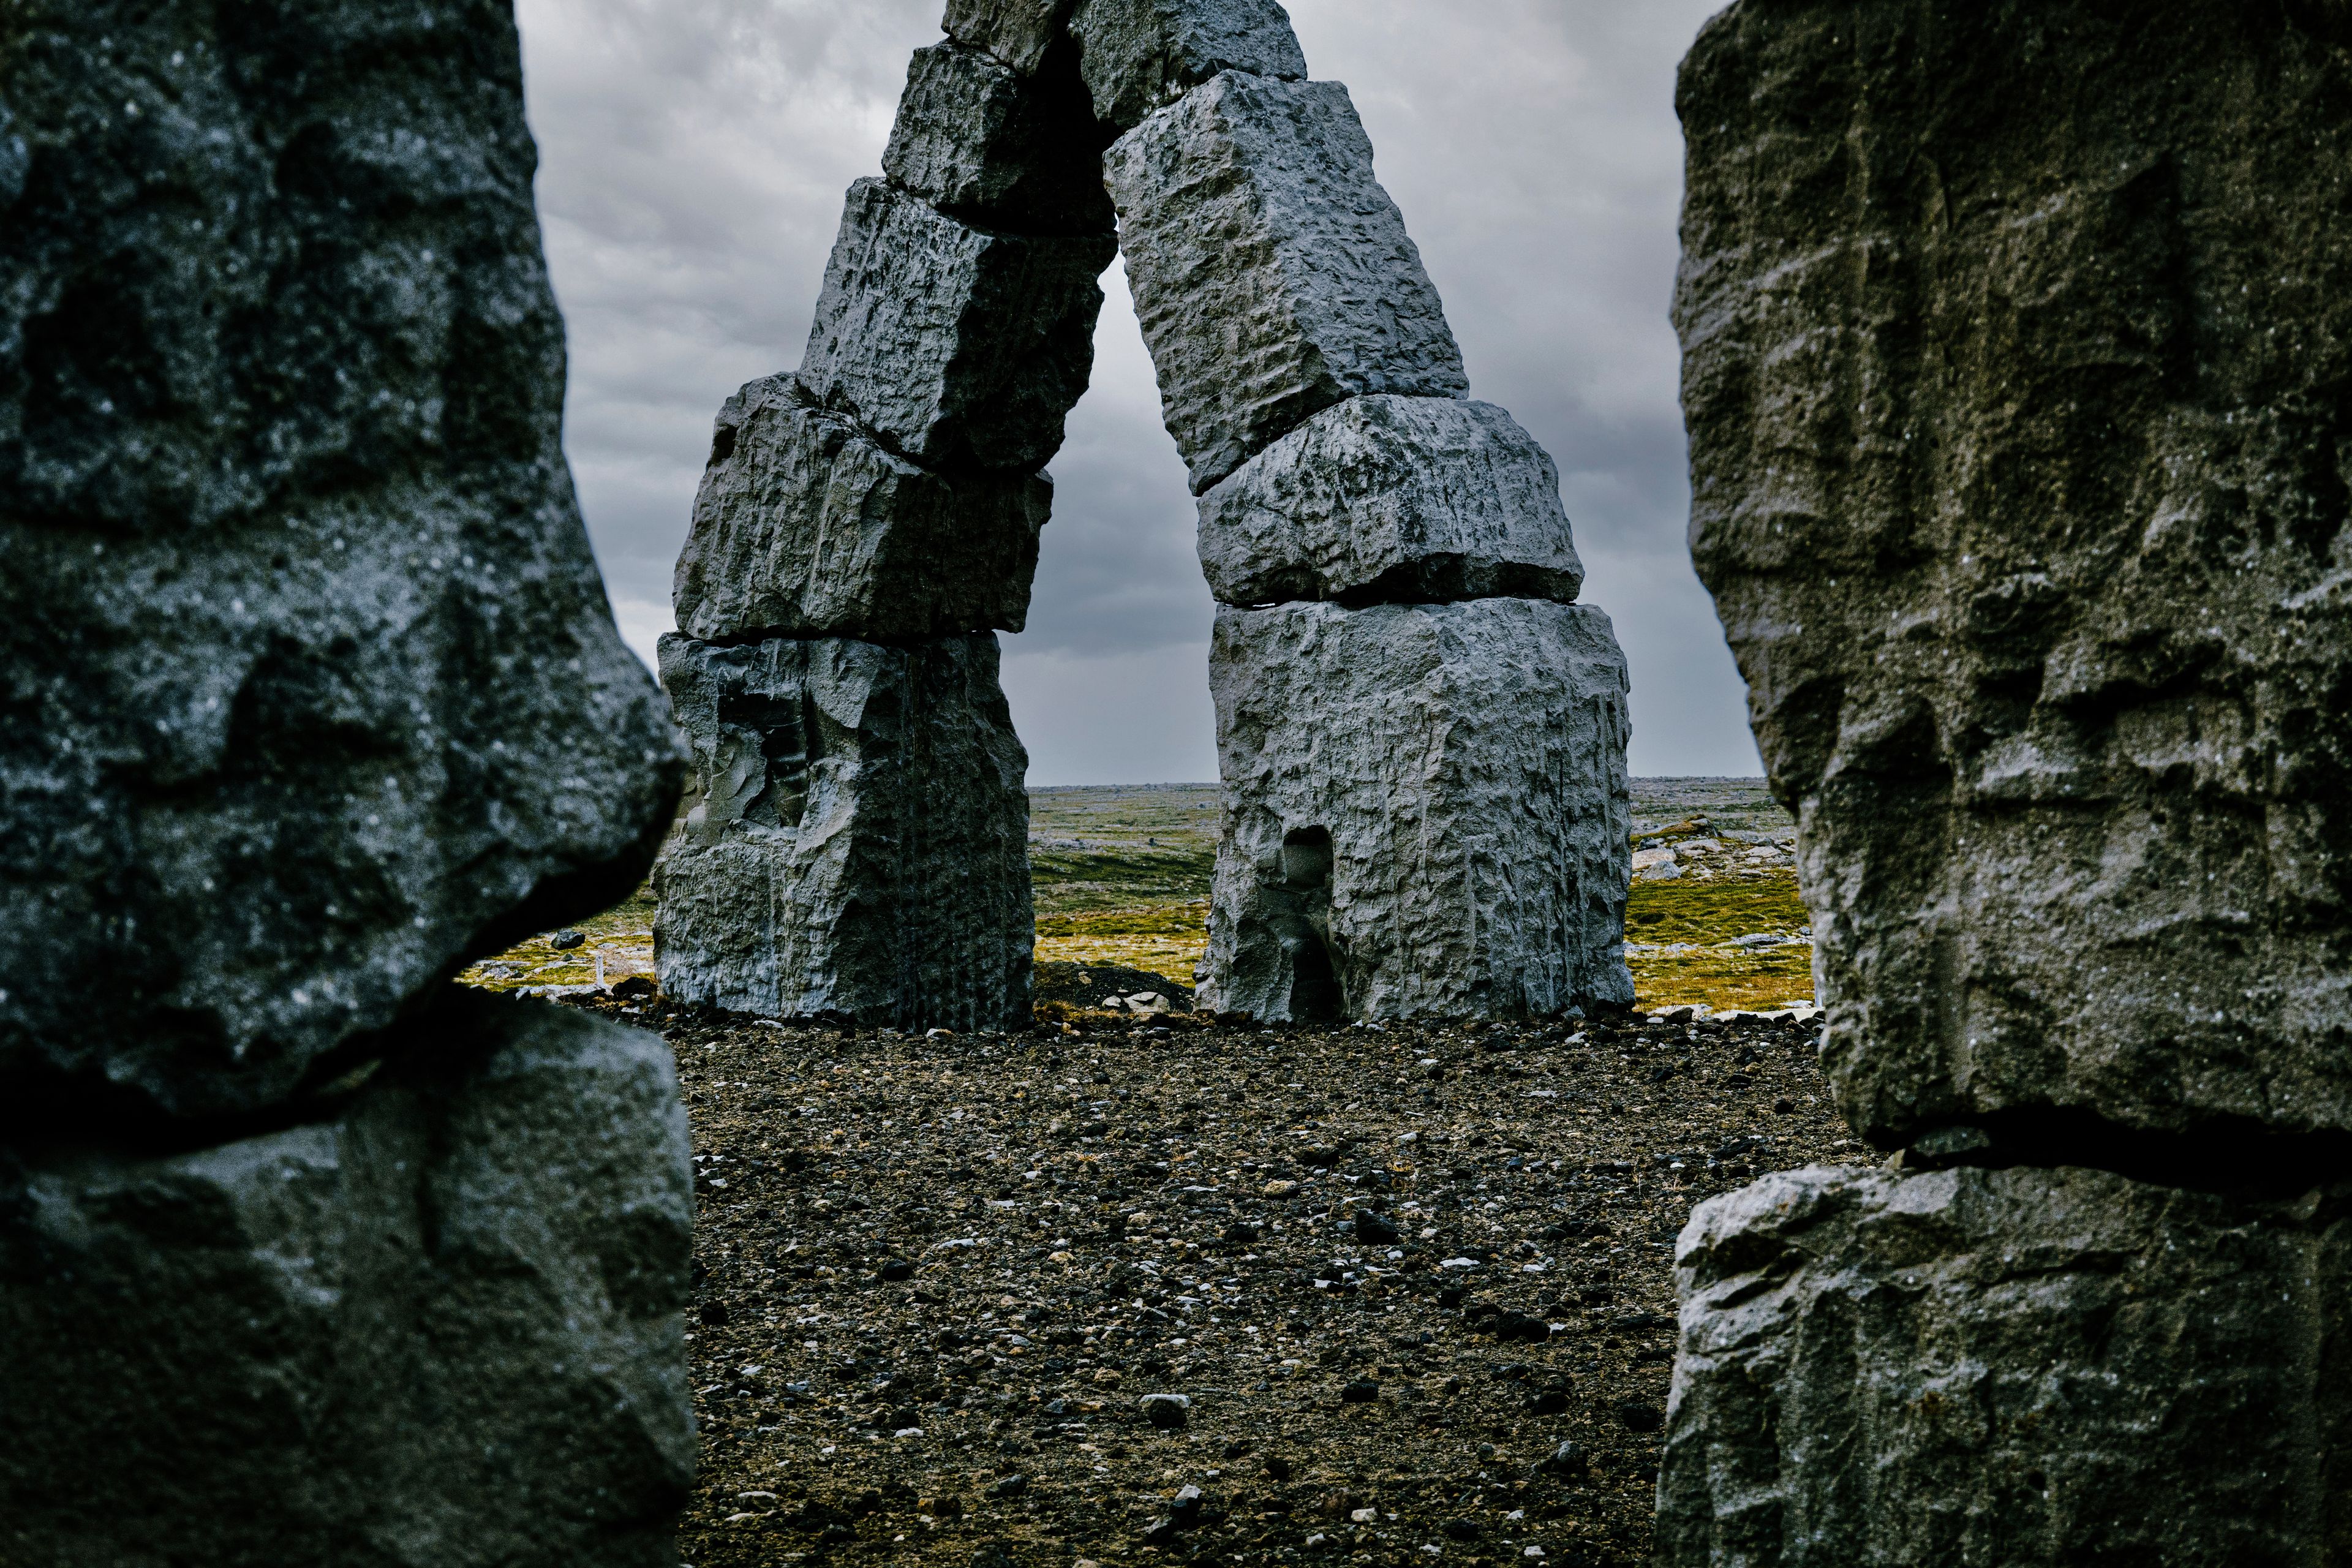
[(565, 941), (1169, 1412)]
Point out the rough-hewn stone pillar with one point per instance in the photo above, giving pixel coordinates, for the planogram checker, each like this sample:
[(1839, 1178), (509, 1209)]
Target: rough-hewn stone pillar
[(867, 524), (1423, 738), (2020, 429), (314, 697)]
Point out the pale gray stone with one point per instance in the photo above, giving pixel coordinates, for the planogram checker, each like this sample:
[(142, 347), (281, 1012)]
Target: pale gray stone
[(807, 528), (2032, 1368), (2030, 534), (956, 346), (1021, 33), (859, 845), (1394, 500), (1139, 55), (314, 691), (1271, 273), (978, 140), (1426, 811), (440, 1329)]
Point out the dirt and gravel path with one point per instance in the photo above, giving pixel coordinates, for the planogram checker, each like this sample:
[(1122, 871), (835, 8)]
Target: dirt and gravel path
[(1410, 1287)]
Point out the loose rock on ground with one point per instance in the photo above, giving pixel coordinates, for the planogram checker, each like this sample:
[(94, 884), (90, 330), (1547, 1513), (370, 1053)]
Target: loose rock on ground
[(1412, 1284)]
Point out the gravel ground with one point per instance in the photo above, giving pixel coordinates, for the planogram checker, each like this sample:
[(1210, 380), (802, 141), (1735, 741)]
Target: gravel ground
[(1412, 1286)]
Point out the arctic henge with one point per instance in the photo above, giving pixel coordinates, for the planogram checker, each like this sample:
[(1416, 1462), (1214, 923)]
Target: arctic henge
[(1422, 733)]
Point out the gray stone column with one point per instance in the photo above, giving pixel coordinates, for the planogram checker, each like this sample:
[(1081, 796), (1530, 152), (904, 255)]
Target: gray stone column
[(2019, 433), (868, 522), (314, 697), (1422, 740)]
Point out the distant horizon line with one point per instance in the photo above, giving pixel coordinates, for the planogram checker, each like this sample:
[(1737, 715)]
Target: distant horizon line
[(1213, 783)]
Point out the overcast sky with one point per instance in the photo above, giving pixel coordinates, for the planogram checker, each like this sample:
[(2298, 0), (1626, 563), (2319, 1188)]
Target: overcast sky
[(693, 158)]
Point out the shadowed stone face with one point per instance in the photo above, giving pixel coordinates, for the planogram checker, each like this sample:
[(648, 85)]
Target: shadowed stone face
[(2020, 438), (439, 1329), (2023, 1366), (1426, 811), (805, 526), (312, 690), (860, 845), (977, 138), (1271, 273)]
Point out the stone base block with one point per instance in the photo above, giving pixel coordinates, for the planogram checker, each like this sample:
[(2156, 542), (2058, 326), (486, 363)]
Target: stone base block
[(804, 527), (2022, 1368), (860, 848), (1392, 501), (1425, 811), (440, 1330)]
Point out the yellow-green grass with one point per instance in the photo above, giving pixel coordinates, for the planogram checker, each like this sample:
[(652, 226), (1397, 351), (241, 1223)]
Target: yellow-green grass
[(1166, 938), (1702, 915), (624, 932)]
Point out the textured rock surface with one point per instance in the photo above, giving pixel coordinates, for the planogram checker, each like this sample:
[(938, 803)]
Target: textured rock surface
[(977, 138), (957, 346), (2020, 1367), (1021, 33), (1139, 55), (1426, 811), (1271, 273), (312, 689), (1394, 500), (2015, 369), (804, 527), (441, 1329), (860, 845)]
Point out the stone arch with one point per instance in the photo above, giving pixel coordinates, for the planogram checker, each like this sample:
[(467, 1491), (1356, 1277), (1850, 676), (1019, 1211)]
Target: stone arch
[(1399, 664)]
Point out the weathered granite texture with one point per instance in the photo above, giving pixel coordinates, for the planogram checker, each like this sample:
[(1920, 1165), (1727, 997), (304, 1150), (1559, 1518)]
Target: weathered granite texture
[(1021, 33), (2023, 1367), (861, 845), (312, 689), (1426, 811), (1139, 55), (956, 346), (1271, 273), (440, 1329), (978, 140), (1392, 499), (804, 527), (2016, 352)]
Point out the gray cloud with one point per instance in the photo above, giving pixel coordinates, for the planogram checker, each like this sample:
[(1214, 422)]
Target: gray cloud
[(693, 157)]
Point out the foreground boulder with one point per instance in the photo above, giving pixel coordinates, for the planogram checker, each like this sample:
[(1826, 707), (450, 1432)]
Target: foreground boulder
[(2014, 367), (1427, 811), (859, 847), (2025, 1367), (314, 691), (440, 1329)]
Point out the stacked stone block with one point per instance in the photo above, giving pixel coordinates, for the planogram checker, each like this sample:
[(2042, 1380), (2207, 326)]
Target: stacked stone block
[(1422, 736), (2016, 401), (867, 525), (317, 698)]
